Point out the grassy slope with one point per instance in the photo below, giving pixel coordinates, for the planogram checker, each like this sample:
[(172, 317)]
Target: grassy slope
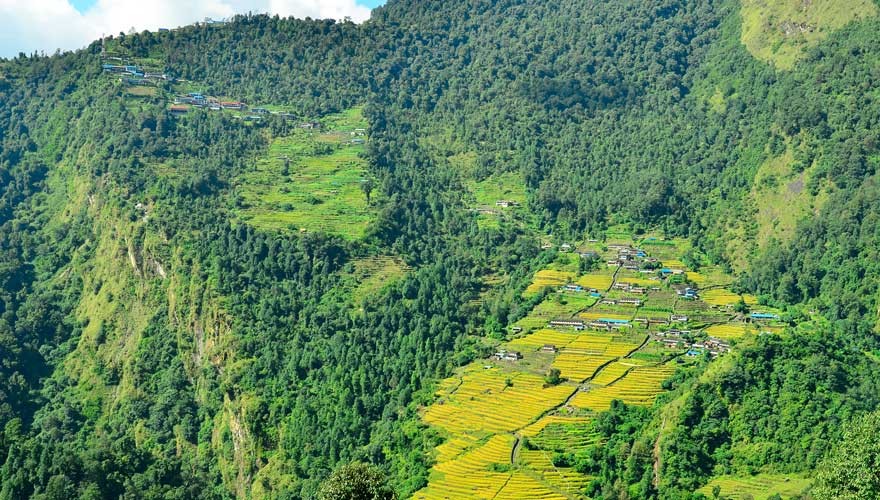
[(778, 31), (783, 198)]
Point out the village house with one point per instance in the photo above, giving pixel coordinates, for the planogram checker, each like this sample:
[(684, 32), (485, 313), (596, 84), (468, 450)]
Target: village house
[(565, 247), (643, 321), (610, 302), (503, 355), (612, 263), (622, 286), (639, 290), (763, 316), (571, 287), (516, 329), (589, 255), (179, 110), (310, 125), (549, 348), (568, 323), (630, 302), (678, 318), (232, 105)]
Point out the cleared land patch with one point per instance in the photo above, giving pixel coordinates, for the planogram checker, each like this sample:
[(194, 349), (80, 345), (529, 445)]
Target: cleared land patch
[(311, 181), (779, 31)]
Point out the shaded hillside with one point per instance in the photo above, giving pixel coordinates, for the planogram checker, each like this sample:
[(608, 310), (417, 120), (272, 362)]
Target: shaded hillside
[(221, 303)]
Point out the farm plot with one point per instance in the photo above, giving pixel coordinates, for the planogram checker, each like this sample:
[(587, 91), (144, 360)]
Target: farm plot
[(638, 387), (454, 447), (540, 338), (548, 278), (523, 486), (581, 358), (720, 297), (596, 280), (601, 313), (758, 487), (729, 331), (309, 183), (471, 474), (560, 305), (614, 371), (474, 404), (548, 420), (562, 433), (564, 478)]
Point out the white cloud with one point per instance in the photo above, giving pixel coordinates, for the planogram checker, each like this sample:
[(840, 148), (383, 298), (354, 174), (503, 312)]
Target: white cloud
[(47, 25)]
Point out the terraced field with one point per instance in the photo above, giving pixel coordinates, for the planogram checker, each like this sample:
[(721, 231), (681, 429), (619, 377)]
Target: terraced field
[(475, 403), (564, 478), (730, 331), (639, 387), (758, 487), (310, 182), (470, 476), (720, 297), (614, 371), (549, 278), (599, 281)]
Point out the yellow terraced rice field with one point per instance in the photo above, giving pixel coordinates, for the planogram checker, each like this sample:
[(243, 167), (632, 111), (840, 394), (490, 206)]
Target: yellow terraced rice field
[(475, 404), (597, 281), (639, 387), (469, 476), (548, 277), (542, 337), (522, 486), (719, 297), (730, 331), (537, 427), (540, 461), (611, 373), (581, 358), (454, 447)]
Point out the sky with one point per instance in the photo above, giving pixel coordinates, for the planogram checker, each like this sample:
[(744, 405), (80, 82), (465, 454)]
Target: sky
[(47, 25)]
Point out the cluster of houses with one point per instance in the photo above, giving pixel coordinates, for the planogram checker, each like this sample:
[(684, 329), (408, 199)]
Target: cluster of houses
[(598, 324), (135, 74), (683, 339), (686, 292), (632, 288), (631, 258), (622, 302), (575, 288)]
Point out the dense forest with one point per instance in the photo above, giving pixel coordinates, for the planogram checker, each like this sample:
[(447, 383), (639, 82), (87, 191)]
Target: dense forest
[(152, 345)]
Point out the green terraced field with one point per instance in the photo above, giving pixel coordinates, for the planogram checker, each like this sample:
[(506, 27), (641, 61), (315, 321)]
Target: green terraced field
[(758, 487), (310, 181)]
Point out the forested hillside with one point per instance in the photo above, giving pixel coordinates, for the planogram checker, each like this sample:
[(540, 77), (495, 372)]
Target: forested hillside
[(201, 298)]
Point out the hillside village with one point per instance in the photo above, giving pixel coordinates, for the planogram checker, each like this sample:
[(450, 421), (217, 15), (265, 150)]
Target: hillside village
[(614, 332), (141, 79)]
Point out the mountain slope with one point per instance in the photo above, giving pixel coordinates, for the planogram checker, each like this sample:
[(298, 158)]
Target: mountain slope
[(193, 303)]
